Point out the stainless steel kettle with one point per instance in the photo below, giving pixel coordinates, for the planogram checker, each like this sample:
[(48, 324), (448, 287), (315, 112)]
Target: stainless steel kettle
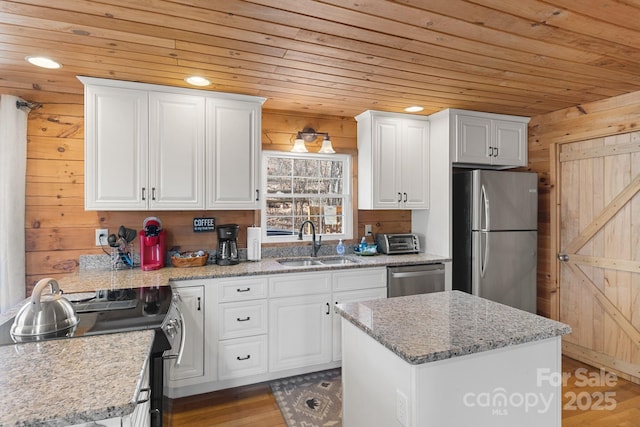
[(44, 316)]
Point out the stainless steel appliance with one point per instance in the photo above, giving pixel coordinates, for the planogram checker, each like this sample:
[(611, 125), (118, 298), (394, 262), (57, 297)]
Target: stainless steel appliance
[(391, 244), (119, 310), (495, 221), (227, 244), (415, 279)]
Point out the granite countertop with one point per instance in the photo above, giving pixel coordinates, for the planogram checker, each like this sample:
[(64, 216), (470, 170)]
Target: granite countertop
[(89, 280), (70, 381), (430, 327)]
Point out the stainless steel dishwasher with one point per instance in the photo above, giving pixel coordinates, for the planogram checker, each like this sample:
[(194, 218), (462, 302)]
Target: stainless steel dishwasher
[(415, 279)]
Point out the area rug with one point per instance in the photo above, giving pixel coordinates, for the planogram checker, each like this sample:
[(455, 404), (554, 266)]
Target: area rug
[(310, 400)]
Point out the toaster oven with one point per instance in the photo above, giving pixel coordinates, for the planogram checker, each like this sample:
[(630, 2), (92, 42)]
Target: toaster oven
[(392, 244)]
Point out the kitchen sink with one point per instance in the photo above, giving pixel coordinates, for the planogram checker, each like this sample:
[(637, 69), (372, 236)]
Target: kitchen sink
[(310, 262)]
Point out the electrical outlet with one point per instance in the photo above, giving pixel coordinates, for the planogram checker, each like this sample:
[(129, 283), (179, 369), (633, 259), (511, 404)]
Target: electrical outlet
[(101, 236), (367, 230), (402, 408)]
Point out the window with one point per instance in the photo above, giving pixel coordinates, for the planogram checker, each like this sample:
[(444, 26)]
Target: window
[(300, 187)]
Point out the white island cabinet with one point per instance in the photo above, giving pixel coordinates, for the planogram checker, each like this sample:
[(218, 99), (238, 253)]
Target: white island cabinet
[(450, 359)]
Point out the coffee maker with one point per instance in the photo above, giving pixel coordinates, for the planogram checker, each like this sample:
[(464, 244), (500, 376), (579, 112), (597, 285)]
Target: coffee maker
[(227, 244), (152, 244)]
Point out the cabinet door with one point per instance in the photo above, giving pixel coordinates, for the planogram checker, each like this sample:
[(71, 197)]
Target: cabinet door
[(233, 152), (415, 164), (346, 297), (387, 137), (510, 143), (176, 150), (192, 362), (473, 136), (116, 135), (299, 331)]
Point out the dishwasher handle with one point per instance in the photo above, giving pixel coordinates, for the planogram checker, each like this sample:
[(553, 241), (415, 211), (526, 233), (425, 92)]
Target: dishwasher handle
[(401, 275)]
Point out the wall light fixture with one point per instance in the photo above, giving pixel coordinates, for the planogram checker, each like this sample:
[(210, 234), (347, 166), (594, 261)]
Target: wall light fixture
[(309, 135)]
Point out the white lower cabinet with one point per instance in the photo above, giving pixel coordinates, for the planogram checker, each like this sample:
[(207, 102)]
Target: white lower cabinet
[(190, 367), (259, 328), (299, 331)]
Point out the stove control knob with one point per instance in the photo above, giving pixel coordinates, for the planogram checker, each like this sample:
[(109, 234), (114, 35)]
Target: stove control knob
[(172, 327)]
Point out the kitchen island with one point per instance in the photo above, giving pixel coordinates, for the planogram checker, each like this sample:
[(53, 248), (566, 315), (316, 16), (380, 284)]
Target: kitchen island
[(449, 359), (74, 381)]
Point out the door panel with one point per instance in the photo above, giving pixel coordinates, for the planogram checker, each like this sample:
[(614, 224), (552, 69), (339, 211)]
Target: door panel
[(599, 207), (504, 200), (504, 267)]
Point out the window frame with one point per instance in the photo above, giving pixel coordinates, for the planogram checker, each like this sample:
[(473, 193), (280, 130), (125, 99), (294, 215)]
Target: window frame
[(347, 196)]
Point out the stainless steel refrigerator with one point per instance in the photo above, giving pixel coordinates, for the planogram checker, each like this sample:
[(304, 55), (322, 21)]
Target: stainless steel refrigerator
[(495, 222)]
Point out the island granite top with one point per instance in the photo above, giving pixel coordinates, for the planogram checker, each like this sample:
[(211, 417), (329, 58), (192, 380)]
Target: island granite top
[(442, 325), (71, 381)]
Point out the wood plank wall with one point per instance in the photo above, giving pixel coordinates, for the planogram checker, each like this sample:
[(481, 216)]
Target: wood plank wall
[(59, 230), (611, 116)]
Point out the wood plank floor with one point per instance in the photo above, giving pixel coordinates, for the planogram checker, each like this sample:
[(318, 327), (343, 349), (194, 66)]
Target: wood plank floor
[(255, 406)]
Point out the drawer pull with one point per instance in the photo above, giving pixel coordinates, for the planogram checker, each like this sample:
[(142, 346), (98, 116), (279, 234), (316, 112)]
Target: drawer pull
[(243, 290), (243, 320), (244, 358)]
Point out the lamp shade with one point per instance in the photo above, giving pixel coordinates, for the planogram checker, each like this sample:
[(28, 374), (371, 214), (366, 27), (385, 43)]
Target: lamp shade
[(299, 147), (326, 148)]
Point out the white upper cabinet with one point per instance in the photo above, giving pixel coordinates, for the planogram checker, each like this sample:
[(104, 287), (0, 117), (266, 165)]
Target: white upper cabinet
[(150, 147), (116, 148), (393, 161), (233, 154), (176, 151), (488, 139)]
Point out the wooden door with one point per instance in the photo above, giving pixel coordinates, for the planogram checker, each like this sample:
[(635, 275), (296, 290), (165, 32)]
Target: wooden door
[(599, 241)]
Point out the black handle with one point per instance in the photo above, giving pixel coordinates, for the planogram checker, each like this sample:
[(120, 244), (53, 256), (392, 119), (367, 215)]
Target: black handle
[(405, 197), (243, 320), (198, 304), (153, 193), (399, 197), (143, 195), (490, 151), (243, 290), (496, 154), (244, 358), (328, 309), (257, 195)]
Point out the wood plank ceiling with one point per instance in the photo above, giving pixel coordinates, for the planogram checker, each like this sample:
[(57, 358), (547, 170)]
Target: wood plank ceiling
[(337, 57)]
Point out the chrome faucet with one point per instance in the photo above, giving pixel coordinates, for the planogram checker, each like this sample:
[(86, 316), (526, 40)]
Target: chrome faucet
[(314, 247)]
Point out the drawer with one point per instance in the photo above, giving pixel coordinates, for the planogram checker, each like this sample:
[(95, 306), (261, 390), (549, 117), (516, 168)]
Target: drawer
[(242, 289), (360, 278), (243, 319), (242, 357), (287, 285)]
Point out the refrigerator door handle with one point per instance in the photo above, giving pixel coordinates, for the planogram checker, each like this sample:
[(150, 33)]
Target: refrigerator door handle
[(485, 204), (484, 255)]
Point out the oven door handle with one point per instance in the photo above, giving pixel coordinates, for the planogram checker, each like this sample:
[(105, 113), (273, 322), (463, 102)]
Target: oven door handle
[(183, 337)]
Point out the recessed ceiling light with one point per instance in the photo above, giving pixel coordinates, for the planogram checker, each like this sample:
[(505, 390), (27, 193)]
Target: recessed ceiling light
[(43, 62), (197, 81), (414, 109)]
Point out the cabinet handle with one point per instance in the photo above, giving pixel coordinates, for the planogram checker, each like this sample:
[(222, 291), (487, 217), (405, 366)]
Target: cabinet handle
[(198, 308), (328, 309), (243, 320), (243, 290), (257, 195), (244, 358), (399, 197), (496, 153), (153, 193), (405, 197), (144, 190), (490, 151)]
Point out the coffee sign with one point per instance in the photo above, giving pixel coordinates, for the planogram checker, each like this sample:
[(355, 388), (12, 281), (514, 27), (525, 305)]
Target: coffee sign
[(204, 224)]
